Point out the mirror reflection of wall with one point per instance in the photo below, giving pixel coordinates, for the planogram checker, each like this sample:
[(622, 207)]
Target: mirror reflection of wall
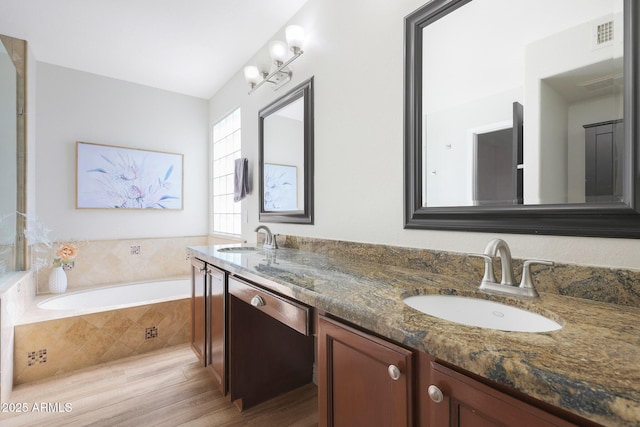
[(8, 168), (284, 158), (285, 149), (565, 68)]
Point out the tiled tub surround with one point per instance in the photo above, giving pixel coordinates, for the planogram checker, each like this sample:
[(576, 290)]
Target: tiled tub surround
[(103, 262), (590, 367), (98, 263), (52, 347), (17, 291)]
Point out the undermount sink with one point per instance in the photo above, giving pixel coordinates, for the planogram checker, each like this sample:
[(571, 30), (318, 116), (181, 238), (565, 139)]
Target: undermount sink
[(481, 313), (239, 249)]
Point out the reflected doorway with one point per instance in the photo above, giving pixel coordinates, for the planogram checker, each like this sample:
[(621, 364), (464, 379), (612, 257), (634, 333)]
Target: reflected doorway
[(494, 164), (498, 162)]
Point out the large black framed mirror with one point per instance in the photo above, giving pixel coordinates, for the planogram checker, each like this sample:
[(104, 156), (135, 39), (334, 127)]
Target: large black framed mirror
[(565, 96), (285, 154)]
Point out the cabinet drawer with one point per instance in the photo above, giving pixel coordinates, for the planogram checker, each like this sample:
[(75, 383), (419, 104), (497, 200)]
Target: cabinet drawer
[(294, 315)]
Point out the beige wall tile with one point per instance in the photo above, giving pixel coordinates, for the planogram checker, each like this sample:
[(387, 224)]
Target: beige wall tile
[(105, 262)]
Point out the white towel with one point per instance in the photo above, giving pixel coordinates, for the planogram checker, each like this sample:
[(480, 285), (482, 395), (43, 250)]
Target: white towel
[(241, 179)]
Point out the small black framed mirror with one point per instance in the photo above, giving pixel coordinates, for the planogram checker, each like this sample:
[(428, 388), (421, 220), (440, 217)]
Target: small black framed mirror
[(448, 112), (285, 154)]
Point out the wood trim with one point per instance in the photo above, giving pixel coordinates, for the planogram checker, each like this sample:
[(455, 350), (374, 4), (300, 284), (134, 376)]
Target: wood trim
[(198, 310), (217, 312)]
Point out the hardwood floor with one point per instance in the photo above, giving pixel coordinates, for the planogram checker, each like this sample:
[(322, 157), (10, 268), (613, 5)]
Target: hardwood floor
[(164, 388)]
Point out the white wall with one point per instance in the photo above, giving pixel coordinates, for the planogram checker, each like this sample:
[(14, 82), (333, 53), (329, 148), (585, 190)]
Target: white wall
[(546, 166), (551, 146), (283, 136), (450, 154), (77, 106), (355, 52)]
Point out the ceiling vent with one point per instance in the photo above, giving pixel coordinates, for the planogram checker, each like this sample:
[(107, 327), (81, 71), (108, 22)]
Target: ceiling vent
[(604, 33)]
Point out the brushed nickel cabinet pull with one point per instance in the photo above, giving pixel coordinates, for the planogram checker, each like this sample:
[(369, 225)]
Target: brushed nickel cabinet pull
[(394, 372), (435, 393), (257, 301)]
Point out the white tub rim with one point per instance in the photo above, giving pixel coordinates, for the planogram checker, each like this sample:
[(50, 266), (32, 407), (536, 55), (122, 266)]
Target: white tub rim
[(36, 314)]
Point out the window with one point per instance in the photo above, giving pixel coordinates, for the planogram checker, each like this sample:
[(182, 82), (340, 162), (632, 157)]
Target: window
[(226, 149)]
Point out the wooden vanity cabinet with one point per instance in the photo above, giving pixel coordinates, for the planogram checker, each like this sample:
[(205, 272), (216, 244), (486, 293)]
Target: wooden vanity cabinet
[(217, 346), (198, 309), (270, 344), (208, 318), (259, 344), (362, 380), (447, 398)]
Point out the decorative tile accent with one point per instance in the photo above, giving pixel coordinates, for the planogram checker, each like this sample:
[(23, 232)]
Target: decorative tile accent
[(35, 357), (78, 342), (151, 332)]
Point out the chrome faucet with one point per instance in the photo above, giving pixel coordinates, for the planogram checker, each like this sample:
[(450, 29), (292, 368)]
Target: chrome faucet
[(507, 284), (269, 241), (500, 247)]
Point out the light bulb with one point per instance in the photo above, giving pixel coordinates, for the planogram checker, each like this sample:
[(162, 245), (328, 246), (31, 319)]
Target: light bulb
[(295, 37), (278, 51), (251, 75)]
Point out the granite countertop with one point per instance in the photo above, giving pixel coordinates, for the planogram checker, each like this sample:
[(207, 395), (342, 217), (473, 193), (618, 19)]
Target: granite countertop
[(590, 367)]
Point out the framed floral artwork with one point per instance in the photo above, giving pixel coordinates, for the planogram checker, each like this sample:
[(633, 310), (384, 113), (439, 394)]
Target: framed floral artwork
[(127, 178), (280, 188)]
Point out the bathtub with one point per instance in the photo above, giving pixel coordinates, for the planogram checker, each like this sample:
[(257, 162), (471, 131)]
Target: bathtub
[(119, 296), (84, 328)]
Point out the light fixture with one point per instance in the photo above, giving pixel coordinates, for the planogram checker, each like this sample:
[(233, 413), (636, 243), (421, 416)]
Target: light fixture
[(295, 37), (252, 75), (278, 52)]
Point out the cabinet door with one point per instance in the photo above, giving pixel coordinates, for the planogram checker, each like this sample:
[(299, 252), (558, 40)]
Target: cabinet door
[(466, 402), (217, 284), (198, 309), (604, 157), (362, 380)]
